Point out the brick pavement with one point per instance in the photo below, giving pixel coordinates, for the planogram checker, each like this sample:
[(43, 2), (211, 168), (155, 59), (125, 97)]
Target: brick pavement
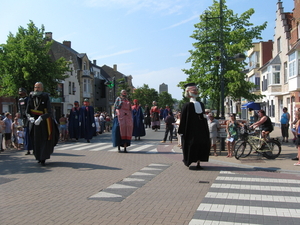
[(59, 193)]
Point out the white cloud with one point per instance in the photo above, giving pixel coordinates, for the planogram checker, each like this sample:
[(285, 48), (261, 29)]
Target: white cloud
[(166, 6), (116, 53), (182, 22)]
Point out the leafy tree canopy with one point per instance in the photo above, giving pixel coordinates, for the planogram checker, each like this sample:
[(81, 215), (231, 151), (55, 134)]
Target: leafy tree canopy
[(237, 36), (25, 60), (164, 99), (145, 95)]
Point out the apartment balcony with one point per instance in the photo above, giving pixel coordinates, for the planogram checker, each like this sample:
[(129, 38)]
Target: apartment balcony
[(294, 83), (86, 95)]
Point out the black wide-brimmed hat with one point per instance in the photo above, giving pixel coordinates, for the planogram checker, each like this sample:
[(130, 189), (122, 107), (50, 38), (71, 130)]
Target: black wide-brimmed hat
[(189, 85), (23, 90)]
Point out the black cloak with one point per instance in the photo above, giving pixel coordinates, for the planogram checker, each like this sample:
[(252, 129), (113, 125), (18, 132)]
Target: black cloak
[(45, 135), (195, 139)]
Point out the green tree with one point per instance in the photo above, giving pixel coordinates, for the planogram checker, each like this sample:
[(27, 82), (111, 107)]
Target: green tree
[(145, 95), (237, 37), (25, 59), (121, 84), (164, 99)]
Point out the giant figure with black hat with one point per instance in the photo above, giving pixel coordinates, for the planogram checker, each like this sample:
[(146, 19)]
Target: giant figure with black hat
[(88, 127), (194, 129), (22, 103), (43, 130), (74, 126)]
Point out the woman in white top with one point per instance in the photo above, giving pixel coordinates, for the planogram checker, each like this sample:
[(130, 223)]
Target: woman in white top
[(177, 126)]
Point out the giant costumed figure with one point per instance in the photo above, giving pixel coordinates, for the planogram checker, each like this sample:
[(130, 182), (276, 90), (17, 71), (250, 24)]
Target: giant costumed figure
[(194, 129), (122, 124), (23, 100), (154, 113), (87, 122), (43, 130), (138, 117), (74, 122)]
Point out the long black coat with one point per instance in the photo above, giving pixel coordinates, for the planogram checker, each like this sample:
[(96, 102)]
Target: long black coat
[(195, 139), (45, 135)]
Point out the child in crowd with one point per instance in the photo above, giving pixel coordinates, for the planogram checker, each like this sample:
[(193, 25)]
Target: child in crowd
[(20, 137)]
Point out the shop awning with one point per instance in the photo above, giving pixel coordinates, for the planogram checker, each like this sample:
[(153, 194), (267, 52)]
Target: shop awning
[(252, 105)]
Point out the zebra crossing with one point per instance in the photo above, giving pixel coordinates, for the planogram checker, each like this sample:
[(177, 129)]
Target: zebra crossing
[(119, 191), (145, 147), (236, 198)]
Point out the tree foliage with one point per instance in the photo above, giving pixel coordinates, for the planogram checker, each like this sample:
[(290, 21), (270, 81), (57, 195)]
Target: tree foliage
[(238, 34), (145, 95), (164, 99), (25, 60), (121, 84)]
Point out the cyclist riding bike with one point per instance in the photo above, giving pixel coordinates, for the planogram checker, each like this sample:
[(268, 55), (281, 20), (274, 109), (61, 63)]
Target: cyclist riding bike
[(265, 123)]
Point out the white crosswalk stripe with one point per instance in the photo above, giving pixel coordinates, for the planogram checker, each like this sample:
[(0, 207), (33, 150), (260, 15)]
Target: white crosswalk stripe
[(79, 146), (236, 198)]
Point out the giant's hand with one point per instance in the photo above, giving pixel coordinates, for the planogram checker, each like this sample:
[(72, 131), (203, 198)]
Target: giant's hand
[(93, 125), (31, 119), (38, 121)]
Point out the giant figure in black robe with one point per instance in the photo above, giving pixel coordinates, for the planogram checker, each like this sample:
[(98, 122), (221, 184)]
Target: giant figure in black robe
[(74, 121), (195, 134), (23, 100), (43, 130), (88, 127)]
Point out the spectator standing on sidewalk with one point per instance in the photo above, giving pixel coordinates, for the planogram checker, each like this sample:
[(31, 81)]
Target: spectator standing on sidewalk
[(169, 121), (63, 127), (2, 129), (14, 129), (232, 133), (298, 139), (7, 122), (177, 123), (194, 129), (285, 123), (213, 126)]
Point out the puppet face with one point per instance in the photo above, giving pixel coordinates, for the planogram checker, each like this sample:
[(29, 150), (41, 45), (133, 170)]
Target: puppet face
[(135, 101), (86, 103), (76, 104), (193, 91), (123, 93)]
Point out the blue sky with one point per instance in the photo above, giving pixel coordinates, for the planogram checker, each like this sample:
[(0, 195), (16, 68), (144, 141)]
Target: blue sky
[(148, 39)]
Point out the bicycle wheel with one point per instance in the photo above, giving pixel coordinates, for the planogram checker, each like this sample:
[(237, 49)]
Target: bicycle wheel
[(272, 150), (242, 150)]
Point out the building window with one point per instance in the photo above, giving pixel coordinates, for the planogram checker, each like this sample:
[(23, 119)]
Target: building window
[(86, 85), (73, 88), (292, 64), (70, 90), (298, 28), (278, 45), (285, 72)]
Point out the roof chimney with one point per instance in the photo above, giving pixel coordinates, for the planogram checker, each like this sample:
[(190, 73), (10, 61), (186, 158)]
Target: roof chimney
[(67, 43), (48, 35), (95, 62), (115, 67)]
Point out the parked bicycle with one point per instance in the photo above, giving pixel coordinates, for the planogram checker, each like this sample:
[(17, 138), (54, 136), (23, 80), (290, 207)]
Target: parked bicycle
[(270, 148)]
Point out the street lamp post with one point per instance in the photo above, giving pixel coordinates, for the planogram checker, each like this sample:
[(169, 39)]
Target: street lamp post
[(238, 57)]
